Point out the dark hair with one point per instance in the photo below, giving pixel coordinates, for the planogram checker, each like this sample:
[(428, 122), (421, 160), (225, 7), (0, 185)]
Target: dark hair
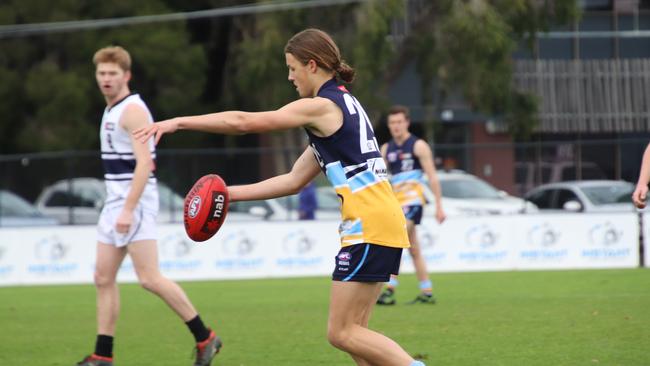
[(397, 109), (314, 44)]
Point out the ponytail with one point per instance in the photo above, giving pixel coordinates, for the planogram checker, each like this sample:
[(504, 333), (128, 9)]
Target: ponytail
[(345, 71)]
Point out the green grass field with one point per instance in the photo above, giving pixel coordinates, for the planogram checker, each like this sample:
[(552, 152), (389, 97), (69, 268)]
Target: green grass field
[(502, 318)]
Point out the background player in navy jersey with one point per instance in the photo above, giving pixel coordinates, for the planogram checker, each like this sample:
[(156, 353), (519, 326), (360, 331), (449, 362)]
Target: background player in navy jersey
[(343, 146), (408, 157), (127, 224)]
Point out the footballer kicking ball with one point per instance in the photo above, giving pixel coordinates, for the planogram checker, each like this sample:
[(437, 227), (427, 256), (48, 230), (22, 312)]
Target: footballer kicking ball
[(205, 208)]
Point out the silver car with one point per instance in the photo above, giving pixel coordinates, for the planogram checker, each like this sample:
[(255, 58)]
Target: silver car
[(80, 201), (16, 211), (584, 196), (286, 208), (464, 194)]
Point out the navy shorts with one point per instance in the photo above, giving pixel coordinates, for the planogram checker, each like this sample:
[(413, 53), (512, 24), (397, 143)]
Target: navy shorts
[(413, 213), (366, 263)]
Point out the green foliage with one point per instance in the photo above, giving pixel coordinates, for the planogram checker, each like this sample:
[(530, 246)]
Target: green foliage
[(533, 318), (467, 46), (371, 50), (53, 102), (54, 91), (48, 98)]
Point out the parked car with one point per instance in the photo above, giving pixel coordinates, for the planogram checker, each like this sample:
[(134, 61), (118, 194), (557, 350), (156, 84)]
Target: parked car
[(530, 174), (465, 194), (16, 211), (584, 196), (286, 208), (80, 201)]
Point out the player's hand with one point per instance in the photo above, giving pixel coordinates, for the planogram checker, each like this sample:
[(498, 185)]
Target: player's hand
[(124, 222), (156, 130), (639, 195), (440, 215)]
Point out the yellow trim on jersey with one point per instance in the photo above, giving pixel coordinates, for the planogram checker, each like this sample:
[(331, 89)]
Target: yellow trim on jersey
[(409, 193), (372, 215)]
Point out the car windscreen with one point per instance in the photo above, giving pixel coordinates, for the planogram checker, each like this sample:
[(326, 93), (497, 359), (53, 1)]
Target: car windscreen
[(169, 200), (12, 205), (467, 188), (609, 194)]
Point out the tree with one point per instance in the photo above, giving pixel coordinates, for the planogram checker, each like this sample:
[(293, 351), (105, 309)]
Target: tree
[(49, 97), (467, 45), (463, 46)]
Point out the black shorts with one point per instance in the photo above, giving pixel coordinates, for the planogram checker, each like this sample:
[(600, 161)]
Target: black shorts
[(413, 213), (366, 263)]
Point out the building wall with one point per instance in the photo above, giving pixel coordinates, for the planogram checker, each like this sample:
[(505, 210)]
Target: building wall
[(494, 164)]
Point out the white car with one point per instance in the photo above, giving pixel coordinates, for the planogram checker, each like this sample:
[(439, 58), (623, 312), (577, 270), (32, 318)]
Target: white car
[(16, 211), (80, 201), (285, 208), (584, 196), (464, 194)]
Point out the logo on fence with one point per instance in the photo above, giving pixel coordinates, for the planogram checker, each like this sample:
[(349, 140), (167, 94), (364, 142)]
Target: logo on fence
[(50, 249), (298, 243), (176, 246), (605, 234), (481, 236), (543, 235), (239, 244)]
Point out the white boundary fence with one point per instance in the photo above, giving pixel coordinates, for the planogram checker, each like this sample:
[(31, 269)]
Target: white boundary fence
[(66, 254)]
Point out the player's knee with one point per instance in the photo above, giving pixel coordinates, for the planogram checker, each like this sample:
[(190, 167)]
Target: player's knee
[(415, 251), (103, 280), (150, 283), (338, 338)]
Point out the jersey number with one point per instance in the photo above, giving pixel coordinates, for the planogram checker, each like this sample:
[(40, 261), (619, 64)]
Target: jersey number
[(109, 141), (367, 145), (407, 165)]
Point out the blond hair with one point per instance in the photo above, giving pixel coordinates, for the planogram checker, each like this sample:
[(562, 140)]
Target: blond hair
[(113, 54)]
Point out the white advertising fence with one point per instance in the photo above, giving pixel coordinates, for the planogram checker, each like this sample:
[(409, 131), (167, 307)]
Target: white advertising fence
[(66, 254), (540, 241)]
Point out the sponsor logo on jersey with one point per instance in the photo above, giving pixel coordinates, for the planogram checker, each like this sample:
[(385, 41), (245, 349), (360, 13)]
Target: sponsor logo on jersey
[(344, 261)]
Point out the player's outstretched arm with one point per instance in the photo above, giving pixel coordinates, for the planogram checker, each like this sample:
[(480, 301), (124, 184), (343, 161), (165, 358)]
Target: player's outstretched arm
[(303, 171), (384, 150), (641, 191), (303, 112), (423, 153)]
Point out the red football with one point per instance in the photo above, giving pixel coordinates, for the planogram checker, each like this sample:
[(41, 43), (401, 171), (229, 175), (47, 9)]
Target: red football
[(206, 206)]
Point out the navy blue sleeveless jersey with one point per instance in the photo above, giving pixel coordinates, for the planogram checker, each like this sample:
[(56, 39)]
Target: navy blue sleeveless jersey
[(351, 160), (406, 172)]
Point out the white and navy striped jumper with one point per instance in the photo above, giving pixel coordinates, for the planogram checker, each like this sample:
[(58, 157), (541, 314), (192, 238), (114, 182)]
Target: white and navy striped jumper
[(118, 158)]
